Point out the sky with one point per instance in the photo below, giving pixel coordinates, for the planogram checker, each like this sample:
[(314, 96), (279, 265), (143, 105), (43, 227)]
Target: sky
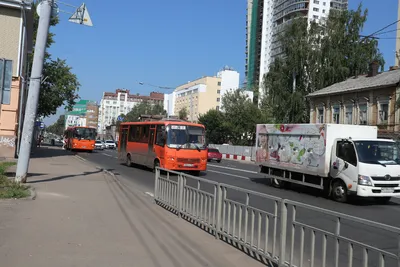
[(168, 43)]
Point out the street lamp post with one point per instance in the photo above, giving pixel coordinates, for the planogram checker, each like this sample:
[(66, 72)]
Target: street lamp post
[(160, 87)]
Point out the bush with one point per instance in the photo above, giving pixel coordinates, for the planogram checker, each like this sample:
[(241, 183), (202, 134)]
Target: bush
[(9, 188)]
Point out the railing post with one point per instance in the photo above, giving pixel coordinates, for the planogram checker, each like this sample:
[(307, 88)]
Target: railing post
[(282, 252), (156, 184), (219, 210), (180, 194)]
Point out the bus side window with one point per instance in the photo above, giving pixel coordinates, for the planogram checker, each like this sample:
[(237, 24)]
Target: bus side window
[(132, 131), (145, 134), (159, 135)]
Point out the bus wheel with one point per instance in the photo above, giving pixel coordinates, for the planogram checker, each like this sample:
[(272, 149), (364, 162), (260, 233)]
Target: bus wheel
[(156, 164), (128, 160)]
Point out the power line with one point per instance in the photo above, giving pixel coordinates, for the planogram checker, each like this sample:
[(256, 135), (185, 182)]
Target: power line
[(387, 26)]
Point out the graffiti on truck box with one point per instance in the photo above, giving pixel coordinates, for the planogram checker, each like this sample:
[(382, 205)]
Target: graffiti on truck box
[(291, 145)]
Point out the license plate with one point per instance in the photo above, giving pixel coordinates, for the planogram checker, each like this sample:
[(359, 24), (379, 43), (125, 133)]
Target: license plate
[(188, 165), (84, 147), (387, 190)]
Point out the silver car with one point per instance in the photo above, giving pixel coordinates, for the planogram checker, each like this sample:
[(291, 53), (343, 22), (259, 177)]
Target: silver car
[(99, 145)]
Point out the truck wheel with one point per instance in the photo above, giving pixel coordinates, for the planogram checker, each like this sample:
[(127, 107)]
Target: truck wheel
[(339, 191), (277, 183), (382, 200)]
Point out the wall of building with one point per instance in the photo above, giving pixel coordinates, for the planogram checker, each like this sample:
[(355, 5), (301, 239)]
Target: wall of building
[(350, 108), (10, 21), (229, 81), (211, 98)]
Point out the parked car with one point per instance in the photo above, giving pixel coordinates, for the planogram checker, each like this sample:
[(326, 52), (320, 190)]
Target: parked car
[(110, 144), (214, 154), (99, 145)]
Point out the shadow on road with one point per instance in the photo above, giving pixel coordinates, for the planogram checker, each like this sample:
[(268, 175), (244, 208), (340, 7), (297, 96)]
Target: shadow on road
[(49, 152), (64, 177)]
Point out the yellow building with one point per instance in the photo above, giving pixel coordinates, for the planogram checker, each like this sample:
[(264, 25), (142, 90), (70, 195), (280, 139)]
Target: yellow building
[(201, 95), (16, 20)]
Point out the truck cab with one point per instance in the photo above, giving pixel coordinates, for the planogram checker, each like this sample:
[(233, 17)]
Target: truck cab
[(365, 168)]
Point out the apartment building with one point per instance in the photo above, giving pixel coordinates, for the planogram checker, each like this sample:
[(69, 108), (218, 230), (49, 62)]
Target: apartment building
[(202, 94), (84, 113), (16, 35), (120, 102), (366, 100), (266, 19)]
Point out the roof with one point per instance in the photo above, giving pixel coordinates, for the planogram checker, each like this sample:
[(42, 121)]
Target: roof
[(17, 3), (383, 79)]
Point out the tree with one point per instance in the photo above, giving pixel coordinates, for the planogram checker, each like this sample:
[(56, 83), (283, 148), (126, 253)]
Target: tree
[(217, 129), (241, 116), (57, 127), (60, 85), (183, 113), (316, 56), (144, 108)]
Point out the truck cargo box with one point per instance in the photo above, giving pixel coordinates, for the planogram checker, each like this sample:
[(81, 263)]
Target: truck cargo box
[(304, 148)]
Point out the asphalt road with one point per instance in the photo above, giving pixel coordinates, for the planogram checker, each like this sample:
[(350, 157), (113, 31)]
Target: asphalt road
[(244, 175)]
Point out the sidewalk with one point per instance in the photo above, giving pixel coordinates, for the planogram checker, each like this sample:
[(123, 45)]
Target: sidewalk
[(83, 217)]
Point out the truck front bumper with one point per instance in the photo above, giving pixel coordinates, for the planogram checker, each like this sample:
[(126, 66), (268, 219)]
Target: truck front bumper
[(370, 191)]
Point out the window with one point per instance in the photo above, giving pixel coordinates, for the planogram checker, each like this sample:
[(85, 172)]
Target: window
[(349, 115), (5, 80), (383, 112), (218, 99), (316, 2), (363, 114), (217, 108), (219, 83), (336, 115), (324, 3), (345, 151), (159, 134), (323, 10), (320, 118), (218, 91), (315, 17), (315, 9)]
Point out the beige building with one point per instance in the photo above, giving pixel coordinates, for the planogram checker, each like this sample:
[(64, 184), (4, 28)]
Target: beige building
[(366, 100), (16, 22), (201, 95)]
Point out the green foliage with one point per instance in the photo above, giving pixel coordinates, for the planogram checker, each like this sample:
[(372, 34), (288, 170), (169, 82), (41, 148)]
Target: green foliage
[(316, 56), (61, 85), (237, 122), (183, 114), (143, 108), (9, 188), (217, 129), (58, 127)]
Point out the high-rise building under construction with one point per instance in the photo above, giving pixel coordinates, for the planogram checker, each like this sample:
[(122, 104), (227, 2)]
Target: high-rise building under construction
[(266, 19)]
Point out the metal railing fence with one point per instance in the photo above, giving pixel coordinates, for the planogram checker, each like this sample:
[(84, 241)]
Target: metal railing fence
[(281, 231)]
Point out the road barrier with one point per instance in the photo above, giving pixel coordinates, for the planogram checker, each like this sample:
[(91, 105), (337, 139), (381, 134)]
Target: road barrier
[(277, 230)]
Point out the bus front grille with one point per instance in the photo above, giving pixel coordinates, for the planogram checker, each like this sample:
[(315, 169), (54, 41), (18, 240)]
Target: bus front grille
[(182, 160)]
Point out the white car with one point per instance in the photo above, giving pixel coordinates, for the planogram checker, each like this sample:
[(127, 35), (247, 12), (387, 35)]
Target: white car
[(99, 145), (110, 144)]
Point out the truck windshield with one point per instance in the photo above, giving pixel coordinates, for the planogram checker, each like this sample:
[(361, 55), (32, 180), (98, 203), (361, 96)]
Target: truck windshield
[(185, 137), (377, 152), (85, 133)]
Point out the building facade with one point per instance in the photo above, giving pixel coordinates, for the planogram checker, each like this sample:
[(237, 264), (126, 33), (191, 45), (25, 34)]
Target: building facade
[(16, 33), (84, 113), (120, 102), (366, 100), (265, 21), (202, 94)]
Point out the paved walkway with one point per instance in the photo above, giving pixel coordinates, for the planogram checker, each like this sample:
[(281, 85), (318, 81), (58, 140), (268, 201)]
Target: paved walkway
[(82, 217)]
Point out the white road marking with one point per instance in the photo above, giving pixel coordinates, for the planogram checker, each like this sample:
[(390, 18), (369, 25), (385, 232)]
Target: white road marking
[(150, 194), (108, 155), (230, 168), (234, 175), (80, 158)]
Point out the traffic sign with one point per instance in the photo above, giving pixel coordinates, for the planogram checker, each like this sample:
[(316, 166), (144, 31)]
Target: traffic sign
[(120, 118)]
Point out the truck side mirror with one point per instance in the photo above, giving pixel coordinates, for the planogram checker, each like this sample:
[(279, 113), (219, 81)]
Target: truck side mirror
[(346, 165)]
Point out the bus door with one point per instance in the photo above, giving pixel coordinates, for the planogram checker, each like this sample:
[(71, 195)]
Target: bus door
[(123, 140), (151, 154)]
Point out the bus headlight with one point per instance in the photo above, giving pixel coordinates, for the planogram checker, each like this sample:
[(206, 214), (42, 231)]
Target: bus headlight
[(364, 180)]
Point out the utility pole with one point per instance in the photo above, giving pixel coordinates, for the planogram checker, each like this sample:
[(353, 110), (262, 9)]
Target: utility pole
[(34, 90)]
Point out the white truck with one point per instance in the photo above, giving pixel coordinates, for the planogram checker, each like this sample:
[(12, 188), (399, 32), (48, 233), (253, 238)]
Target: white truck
[(340, 159)]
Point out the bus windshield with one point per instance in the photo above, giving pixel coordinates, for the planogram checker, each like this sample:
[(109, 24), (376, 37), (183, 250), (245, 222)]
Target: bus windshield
[(85, 133), (377, 152), (185, 137)]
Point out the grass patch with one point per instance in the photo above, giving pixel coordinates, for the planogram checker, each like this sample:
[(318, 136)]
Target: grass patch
[(9, 188)]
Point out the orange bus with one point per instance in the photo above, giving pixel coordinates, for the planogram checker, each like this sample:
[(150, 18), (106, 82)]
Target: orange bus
[(80, 138), (171, 144)]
